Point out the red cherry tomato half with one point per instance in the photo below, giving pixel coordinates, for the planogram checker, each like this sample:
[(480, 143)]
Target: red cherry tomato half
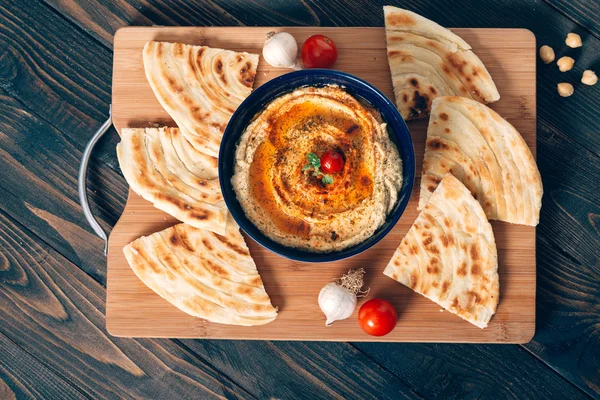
[(377, 317), (319, 52), (332, 162)]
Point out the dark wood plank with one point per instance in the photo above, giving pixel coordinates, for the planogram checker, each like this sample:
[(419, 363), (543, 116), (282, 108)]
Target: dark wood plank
[(448, 371), (22, 376), (103, 18), (55, 312), (20, 122), (42, 167), (227, 350), (40, 78), (44, 300), (57, 72), (568, 252), (430, 371), (285, 370), (39, 186), (584, 12), (550, 27), (80, 240)]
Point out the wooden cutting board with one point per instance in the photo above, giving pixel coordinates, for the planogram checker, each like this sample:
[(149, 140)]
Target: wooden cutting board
[(135, 310)]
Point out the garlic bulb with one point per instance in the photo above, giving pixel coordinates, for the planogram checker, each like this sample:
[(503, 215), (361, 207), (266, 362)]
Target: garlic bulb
[(336, 302), (280, 50), (338, 299)]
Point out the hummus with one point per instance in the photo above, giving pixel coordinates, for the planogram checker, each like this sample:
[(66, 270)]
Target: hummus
[(294, 207)]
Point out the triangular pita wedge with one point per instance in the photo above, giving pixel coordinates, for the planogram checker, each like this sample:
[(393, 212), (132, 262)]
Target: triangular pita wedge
[(152, 162), (449, 255), (203, 274), (200, 87), (487, 154), (427, 60)]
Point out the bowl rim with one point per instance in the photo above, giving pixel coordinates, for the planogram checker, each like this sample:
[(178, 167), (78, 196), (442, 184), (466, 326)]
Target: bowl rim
[(400, 129)]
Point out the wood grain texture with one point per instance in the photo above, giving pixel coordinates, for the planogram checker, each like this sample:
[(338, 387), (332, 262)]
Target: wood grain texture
[(451, 375), (103, 18), (231, 359), (21, 121), (568, 266), (55, 312), (585, 13), (64, 84), (294, 286), (548, 25), (568, 145), (572, 119), (40, 186), (440, 371), (24, 377), (304, 370)]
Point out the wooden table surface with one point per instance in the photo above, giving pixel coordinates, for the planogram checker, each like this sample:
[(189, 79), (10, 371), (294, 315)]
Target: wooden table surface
[(55, 84)]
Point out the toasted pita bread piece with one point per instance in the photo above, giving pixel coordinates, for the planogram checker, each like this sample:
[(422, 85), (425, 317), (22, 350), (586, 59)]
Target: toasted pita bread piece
[(487, 154), (427, 60), (203, 274), (200, 87), (449, 255), (153, 168)]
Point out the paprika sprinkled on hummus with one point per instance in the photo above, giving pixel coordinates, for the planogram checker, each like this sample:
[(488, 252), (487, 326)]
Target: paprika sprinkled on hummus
[(294, 205)]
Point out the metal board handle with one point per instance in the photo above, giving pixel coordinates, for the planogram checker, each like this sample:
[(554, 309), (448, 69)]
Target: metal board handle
[(82, 180)]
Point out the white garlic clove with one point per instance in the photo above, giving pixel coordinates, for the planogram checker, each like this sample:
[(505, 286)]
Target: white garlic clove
[(280, 50), (336, 302)]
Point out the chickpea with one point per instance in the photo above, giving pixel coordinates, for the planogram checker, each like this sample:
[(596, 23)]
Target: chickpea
[(589, 77), (546, 54), (573, 40), (565, 63), (565, 89)]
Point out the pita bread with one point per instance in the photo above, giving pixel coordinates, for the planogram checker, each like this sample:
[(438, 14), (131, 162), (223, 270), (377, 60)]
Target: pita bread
[(449, 255), (487, 154), (427, 60), (203, 274), (199, 87), (155, 169)]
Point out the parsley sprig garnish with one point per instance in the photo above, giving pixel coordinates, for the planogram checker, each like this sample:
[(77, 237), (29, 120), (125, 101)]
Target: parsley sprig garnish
[(315, 163)]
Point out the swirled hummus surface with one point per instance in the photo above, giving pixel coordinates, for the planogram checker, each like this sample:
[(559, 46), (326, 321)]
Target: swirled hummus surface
[(291, 204)]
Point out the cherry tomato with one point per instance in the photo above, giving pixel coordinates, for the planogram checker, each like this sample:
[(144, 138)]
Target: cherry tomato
[(319, 52), (332, 162), (377, 317)]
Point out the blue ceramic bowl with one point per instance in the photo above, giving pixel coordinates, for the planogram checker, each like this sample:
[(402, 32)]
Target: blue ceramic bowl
[(286, 83)]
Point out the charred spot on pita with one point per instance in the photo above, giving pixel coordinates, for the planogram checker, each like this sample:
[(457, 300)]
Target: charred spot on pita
[(474, 252), (445, 286), (462, 270), (232, 246), (436, 144), (420, 103), (400, 20), (207, 244)]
